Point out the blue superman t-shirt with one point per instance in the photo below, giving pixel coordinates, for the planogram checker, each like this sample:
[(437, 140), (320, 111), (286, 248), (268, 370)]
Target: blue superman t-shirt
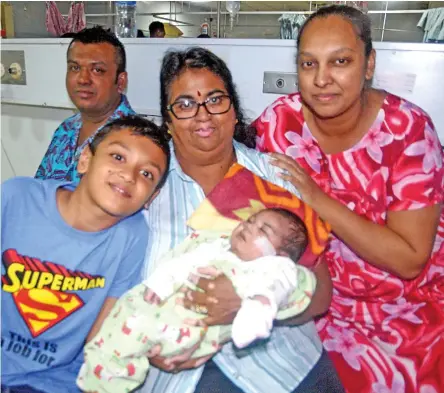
[(54, 281)]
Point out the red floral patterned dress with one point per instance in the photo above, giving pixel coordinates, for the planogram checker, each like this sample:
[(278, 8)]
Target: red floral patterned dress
[(383, 333)]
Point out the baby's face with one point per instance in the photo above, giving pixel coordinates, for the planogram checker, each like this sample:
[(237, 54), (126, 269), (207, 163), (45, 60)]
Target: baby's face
[(259, 235)]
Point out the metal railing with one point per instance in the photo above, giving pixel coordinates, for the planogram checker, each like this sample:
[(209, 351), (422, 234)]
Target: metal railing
[(172, 15)]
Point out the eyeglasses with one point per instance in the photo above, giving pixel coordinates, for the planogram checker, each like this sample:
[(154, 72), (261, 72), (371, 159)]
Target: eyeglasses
[(185, 108)]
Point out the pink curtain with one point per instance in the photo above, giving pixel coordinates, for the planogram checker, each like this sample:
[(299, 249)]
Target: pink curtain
[(56, 23)]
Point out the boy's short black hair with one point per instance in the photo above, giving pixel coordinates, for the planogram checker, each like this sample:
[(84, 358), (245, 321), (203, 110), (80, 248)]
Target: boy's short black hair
[(296, 241), (98, 35), (138, 126)]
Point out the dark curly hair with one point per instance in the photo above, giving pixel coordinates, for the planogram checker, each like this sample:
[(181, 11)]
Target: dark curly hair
[(296, 241), (175, 62)]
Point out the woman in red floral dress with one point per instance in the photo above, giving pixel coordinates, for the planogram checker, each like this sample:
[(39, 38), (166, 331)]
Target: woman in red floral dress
[(371, 164)]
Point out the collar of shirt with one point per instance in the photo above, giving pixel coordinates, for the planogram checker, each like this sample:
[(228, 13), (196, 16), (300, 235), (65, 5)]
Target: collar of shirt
[(123, 109), (175, 166)]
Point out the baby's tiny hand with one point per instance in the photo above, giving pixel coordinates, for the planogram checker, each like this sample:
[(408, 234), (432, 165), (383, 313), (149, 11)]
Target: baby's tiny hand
[(151, 297)]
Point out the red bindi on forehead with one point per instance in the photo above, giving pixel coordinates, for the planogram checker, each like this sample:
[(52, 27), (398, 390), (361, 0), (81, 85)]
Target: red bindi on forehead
[(199, 94)]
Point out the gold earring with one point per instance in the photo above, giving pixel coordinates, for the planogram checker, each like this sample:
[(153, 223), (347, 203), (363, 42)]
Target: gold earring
[(169, 132)]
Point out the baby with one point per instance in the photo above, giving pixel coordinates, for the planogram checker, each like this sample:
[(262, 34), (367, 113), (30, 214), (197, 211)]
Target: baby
[(259, 258)]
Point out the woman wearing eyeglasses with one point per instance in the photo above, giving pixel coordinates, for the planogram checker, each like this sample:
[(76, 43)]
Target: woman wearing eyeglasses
[(201, 112)]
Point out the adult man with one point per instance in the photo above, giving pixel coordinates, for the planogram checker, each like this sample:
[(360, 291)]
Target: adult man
[(96, 79), (157, 30)]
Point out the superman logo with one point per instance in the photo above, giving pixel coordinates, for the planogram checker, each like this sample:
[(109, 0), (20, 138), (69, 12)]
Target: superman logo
[(39, 290), (41, 309)]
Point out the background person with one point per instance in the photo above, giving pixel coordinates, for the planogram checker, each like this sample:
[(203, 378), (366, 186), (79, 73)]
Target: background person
[(157, 29)]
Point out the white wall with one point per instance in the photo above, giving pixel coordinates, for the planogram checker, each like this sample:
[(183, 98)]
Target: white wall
[(7, 170), (28, 119), (26, 133)]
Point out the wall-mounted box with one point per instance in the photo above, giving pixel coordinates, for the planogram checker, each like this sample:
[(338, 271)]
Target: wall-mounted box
[(13, 70), (280, 82)]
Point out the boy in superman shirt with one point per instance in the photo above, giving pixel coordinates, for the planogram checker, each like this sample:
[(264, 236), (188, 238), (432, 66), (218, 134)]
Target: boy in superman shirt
[(68, 254)]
